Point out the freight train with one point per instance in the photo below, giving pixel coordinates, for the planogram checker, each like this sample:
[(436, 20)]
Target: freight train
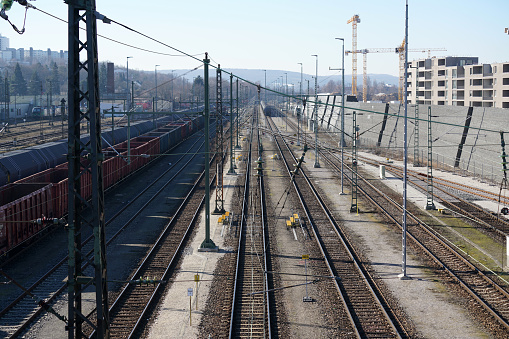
[(31, 199)]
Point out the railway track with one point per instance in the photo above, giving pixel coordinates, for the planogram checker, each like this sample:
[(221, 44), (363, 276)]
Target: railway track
[(35, 132), (130, 309), (490, 297), (368, 315), (454, 196), (458, 199), (252, 304), (22, 311)]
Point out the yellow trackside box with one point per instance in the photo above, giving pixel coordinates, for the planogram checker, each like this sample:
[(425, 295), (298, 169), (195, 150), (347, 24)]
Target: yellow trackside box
[(288, 223)]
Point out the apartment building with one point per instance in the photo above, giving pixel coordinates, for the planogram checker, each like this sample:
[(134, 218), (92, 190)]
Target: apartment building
[(458, 81)]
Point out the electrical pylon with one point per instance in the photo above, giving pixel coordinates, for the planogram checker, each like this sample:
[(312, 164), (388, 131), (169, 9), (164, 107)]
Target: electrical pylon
[(84, 11)]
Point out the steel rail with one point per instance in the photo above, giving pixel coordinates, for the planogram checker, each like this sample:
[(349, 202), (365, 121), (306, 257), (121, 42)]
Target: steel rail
[(433, 234), (236, 318), (318, 239), (29, 320)]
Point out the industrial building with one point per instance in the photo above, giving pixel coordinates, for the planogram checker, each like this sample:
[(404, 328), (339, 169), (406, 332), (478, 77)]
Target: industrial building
[(458, 81)]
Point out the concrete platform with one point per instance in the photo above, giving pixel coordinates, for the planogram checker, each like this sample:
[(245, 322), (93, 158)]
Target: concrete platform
[(175, 319)]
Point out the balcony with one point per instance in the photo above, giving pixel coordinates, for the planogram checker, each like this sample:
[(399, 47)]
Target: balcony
[(487, 83), (458, 95), (476, 82)]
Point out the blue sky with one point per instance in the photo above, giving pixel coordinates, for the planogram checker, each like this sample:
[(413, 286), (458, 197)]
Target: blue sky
[(276, 34)]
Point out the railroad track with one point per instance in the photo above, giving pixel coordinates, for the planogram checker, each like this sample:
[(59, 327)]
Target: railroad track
[(22, 311), (129, 310), (366, 313), (491, 298), (457, 198), (32, 133), (252, 304), (489, 295)]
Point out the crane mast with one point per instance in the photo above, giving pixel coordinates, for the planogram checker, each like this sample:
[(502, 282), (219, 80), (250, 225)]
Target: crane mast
[(354, 21), (400, 50)]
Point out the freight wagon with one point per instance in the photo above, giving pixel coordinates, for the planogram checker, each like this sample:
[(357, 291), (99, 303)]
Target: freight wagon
[(22, 163), (45, 194)]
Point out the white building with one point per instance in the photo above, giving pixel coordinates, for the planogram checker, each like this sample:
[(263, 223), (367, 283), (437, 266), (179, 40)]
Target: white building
[(458, 81), (4, 43)]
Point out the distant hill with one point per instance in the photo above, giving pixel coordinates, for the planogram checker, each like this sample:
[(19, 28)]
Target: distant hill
[(258, 75)]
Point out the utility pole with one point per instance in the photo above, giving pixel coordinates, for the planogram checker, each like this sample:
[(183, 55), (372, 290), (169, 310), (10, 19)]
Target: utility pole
[(85, 11), (172, 97), (354, 207), (307, 111), (286, 99), (299, 112), (127, 85), (237, 116), (219, 143), (155, 75), (429, 196), (265, 87), (317, 159), (207, 244), (342, 139), (232, 167), (403, 274)]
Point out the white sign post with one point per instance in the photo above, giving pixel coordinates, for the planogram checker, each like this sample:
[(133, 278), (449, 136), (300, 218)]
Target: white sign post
[(190, 294)]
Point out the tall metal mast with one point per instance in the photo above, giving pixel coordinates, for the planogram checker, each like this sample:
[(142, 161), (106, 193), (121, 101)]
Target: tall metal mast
[(219, 143), (79, 167)]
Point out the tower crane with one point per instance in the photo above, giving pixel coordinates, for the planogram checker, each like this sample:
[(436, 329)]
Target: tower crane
[(354, 20), (400, 50)]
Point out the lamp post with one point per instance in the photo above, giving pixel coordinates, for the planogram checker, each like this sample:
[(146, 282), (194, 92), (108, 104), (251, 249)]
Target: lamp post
[(265, 86), (286, 99), (155, 75), (127, 84), (317, 161), (281, 87), (172, 97), (342, 140), (307, 109)]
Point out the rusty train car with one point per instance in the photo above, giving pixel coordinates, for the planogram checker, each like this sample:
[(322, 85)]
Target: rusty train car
[(27, 203)]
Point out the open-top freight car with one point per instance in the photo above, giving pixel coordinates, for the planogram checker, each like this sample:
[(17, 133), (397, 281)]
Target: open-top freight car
[(45, 194)]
